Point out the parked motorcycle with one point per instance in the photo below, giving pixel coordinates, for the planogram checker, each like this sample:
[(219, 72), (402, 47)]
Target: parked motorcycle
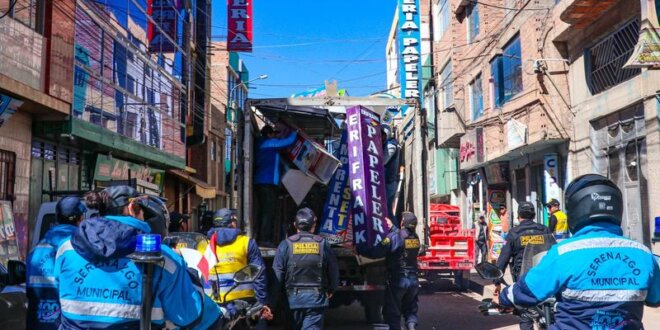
[(244, 312), (542, 314)]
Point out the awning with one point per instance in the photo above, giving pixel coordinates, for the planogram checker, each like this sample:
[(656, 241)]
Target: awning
[(202, 189), (517, 153)]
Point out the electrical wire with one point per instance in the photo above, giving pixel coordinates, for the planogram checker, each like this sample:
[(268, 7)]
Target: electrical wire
[(9, 9)]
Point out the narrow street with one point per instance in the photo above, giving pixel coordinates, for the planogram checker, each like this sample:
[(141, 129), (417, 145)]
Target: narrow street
[(441, 307)]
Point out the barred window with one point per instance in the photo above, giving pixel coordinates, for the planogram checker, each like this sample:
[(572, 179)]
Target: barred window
[(605, 60)]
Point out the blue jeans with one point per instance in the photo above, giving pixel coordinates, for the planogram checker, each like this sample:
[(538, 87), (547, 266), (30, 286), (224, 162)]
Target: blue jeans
[(307, 318)]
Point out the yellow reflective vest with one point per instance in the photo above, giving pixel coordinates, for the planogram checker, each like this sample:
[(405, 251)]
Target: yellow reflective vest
[(562, 223), (231, 258)]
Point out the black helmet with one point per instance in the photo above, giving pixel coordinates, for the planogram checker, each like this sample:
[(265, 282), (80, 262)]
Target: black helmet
[(223, 217), (592, 198), (526, 210), (408, 220), (120, 196), (69, 210), (155, 214), (305, 219)]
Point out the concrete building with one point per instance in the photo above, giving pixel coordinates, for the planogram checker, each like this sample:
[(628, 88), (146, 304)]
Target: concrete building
[(615, 109), (36, 57)]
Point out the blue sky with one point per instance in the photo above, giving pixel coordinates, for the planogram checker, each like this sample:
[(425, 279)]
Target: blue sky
[(301, 43)]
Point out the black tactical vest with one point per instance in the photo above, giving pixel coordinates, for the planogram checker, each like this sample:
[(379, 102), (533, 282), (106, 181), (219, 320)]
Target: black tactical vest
[(305, 266), (404, 261), (533, 236)]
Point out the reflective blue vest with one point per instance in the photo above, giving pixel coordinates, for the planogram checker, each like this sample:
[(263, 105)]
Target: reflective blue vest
[(602, 280), (100, 287), (41, 287)]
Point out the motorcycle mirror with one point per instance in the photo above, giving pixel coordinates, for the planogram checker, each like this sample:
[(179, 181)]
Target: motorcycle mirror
[(248, 274), (488, 271), (16, 271)]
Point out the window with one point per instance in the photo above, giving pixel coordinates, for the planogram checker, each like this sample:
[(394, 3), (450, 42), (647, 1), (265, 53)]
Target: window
[(212, 151), (7, 175), (447, 86), (130, 84), (442, 19), (605, 60), (28, 12), (477, 98), (506, 71), (472, 22)]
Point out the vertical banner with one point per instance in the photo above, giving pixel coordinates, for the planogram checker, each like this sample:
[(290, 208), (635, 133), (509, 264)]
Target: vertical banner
[(334, 223), (239, 23), (550, 180), (367, 181), (497, 225), (165, 14), (409, 41)]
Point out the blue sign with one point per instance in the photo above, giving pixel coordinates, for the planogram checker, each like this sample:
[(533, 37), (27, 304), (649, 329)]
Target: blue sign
[(337, 205), (410, 55)]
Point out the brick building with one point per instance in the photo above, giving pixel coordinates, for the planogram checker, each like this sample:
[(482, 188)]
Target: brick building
[(615, 107)]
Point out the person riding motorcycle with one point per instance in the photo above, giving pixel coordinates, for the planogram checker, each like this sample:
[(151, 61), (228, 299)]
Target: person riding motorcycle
[(528, 232), (235, 251), (101, 287), (43, 300), (603, 279)]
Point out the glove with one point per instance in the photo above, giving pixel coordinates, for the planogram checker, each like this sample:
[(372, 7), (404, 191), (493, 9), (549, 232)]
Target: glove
[(225, 313)]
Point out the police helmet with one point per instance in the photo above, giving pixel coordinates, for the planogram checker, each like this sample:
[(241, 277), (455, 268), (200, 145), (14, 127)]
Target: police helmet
[(526, 210), (223, 217), (592, 198), (305, 219), (69, 210), (408, 220), (155, 214)]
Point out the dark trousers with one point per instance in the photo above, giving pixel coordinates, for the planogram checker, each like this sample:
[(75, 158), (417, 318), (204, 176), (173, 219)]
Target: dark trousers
[(483, 251), (307, 318), (401, 301), (267, 198), (526, 319)]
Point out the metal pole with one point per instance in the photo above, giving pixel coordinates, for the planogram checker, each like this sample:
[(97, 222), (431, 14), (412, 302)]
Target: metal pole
[(425, 157), (145, 319)]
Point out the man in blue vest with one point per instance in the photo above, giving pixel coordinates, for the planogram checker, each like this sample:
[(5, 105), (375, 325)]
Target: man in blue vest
[(43, 299), (603, 279)]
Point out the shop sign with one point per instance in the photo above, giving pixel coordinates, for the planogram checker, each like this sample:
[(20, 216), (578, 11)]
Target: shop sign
[(108, 169), (498, 224), (497, 173), (336, 211), (647, 50), (551, 177), (165, 14), (8, 107), (367, 181), (516, 134), (409, 45), (239, 21), (471, 149)]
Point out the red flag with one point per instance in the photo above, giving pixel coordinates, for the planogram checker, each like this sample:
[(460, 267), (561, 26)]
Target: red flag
[(208, 259)]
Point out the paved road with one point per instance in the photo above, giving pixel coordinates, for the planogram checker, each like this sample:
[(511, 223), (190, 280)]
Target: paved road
[(441, 307)]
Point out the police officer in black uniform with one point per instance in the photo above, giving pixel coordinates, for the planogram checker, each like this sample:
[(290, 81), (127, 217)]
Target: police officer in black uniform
[(513, 250), (306, 268), (403, 285)]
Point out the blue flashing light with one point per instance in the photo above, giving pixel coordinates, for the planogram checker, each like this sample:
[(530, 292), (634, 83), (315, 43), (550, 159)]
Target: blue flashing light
[(148, 243)]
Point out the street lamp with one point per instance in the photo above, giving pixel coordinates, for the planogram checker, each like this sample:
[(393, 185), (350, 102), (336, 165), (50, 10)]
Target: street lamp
[(236, 130)]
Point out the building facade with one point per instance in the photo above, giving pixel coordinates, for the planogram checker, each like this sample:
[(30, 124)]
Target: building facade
[(615, 106)]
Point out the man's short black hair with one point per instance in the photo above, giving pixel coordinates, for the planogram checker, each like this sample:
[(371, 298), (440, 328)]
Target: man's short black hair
[(266, 130)]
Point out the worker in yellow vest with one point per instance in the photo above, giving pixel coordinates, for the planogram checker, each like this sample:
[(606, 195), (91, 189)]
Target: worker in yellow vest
[(558, 222), (234, 251)]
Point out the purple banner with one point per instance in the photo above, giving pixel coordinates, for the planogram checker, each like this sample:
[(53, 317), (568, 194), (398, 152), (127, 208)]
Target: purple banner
[(367, 181), (334, 223)]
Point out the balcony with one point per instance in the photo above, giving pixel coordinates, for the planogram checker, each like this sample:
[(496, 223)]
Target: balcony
[(581, 13)]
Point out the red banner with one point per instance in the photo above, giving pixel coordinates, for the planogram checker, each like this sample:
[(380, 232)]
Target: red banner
[(165, 14), (239, 23)]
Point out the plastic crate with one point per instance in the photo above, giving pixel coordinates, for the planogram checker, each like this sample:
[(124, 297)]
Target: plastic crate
[(453, 251)]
